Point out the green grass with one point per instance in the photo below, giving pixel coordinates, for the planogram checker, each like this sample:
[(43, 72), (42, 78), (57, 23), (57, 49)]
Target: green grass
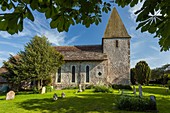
[(84, 102)]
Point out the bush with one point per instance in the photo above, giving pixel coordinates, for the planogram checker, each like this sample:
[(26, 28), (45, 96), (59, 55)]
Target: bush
[(90, 87), (135, 104), (168, 83), (120, 86), (35, 90), (48, 89), (102, 89)]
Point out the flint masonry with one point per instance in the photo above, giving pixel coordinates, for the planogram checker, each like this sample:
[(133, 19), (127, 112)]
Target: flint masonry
[(98, 64)]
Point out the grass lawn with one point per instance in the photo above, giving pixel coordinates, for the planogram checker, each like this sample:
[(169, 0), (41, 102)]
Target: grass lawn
[(84, 102)]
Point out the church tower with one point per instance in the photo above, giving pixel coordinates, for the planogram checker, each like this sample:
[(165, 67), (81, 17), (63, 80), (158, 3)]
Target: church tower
[(116, 44)]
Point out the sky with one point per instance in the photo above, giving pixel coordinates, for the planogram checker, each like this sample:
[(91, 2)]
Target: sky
[(143, 45)]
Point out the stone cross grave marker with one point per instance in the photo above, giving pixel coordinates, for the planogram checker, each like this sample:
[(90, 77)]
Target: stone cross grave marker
[(10, 95)]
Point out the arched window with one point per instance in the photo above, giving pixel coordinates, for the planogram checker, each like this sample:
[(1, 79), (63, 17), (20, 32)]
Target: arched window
[(73, 73), (117, 43), (59, 75), (87, 74)]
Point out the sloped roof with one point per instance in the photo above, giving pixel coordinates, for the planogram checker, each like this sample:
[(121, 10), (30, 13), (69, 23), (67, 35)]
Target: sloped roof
[(2, 71), (80, 53), (115, 27)]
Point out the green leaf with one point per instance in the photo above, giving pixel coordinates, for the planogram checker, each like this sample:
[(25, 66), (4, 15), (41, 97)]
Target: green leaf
[(29, 15), (3, 25)]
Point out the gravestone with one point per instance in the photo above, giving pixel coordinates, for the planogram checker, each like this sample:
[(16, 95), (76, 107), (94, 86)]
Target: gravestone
[(10, 95), (63, 95), (55, 97), (140, 90), (153, 100), (80, 90), (43, 90), (134, 90)]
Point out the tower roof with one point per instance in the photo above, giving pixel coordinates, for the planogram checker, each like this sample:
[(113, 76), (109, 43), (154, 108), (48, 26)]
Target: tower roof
[(115, 27)]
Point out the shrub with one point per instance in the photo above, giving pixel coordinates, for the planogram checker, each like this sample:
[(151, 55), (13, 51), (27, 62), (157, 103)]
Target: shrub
[(35, 90), (120, 86), (168, 83), (102, 89), (90, 87), (134, 104), (48, 89)]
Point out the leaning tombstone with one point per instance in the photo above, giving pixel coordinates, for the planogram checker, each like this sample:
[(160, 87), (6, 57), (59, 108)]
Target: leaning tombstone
[(134, 90), (43, 90), (140, 90), (153, 102), (10, 95), (55, 97), (63, 95)]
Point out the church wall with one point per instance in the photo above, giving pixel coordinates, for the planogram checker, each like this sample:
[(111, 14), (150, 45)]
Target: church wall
[(119, 60), (98, 73)]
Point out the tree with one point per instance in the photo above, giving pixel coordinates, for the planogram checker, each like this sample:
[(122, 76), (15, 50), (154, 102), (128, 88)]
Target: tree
[(133, 76), (64, 13), (38, 61), (143, 72), (14, 75)]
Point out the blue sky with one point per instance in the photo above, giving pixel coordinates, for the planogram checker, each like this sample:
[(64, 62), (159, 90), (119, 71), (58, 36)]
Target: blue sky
[(143, 45)]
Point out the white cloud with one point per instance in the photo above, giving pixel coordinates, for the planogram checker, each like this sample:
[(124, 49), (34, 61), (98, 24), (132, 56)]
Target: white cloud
[(16, 45), (72, 40), (132, 10)]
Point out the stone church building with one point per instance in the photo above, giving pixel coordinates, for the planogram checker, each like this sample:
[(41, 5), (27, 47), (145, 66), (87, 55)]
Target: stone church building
[(98, 64)]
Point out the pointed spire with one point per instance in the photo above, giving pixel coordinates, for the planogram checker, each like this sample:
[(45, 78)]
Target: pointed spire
[(115, 27)]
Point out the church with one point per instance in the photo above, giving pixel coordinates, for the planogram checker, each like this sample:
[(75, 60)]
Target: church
[(108, 63)]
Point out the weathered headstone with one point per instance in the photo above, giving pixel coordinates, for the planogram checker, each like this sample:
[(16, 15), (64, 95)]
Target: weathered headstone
[(55, 97), (10, 95), (134, 90), (63, 95), (80, 90), (153, 100), (43, 90), (140, 90)]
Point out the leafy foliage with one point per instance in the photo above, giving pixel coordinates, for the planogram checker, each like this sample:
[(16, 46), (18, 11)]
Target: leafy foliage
[(62, 13), (38, 61), (143, 72), (102, 89), (153, 17), (14, 75), (133, 76), (160, 75), (135, 104)]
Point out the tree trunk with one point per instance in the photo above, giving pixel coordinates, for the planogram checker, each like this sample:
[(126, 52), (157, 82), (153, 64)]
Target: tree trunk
[(39, 84)]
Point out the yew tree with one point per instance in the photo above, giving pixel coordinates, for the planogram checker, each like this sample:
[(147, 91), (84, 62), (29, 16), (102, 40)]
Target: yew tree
[(41, 60), (142, 72), (37, 62)]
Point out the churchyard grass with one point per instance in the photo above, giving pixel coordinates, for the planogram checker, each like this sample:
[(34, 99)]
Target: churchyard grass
[(83, 102)]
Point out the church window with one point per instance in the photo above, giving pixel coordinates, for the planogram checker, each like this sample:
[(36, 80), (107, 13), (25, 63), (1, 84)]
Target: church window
[(59, 75), (87, 74), (73, 73), (117, 43)]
